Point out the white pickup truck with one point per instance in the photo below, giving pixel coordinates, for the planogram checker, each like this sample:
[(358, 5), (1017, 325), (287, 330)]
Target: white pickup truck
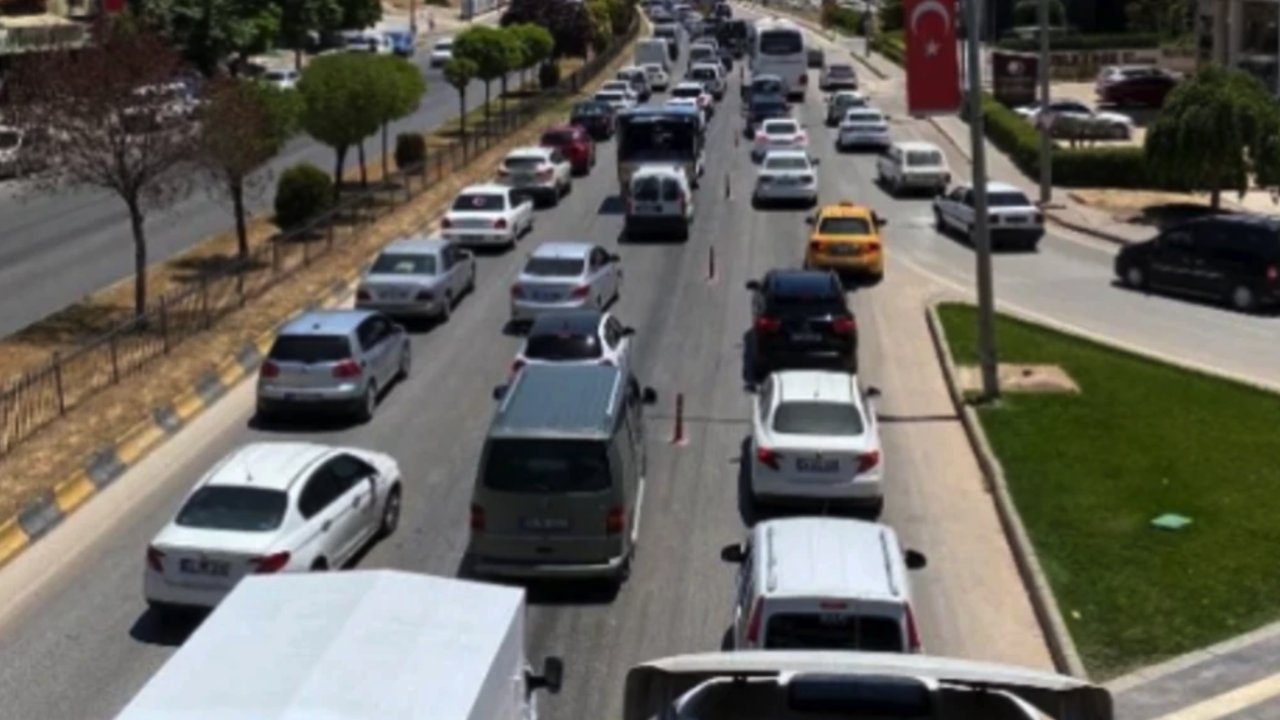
[(358, 645)]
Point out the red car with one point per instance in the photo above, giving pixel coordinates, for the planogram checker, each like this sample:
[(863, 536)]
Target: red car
[(1134, 85), (576, 145)]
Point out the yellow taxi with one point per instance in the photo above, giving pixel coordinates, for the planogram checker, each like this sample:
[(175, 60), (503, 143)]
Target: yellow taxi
[(846, 238)]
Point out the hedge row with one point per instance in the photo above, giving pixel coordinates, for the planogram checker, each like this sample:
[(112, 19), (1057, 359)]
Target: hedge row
[(1111, 41)]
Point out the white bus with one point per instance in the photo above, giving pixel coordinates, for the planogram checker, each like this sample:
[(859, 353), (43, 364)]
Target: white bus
[(778, 49)]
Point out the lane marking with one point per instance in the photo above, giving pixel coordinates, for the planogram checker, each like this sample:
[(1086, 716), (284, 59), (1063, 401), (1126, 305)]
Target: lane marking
[(1230, 702)]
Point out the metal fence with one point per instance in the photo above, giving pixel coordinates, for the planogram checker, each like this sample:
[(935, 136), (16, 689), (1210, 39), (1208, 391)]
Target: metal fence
[(46, 392)]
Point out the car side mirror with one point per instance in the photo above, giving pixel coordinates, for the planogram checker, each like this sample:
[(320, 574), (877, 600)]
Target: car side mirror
[(915, 559), (872, 393), (649, 396), (880, 220), (614, 257), (551, 678), (733, 554), (753, 285), (628, 331), (499, 392), (809, 220)]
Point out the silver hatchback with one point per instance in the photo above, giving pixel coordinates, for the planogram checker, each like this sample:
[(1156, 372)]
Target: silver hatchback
[(417, 277), (333, 360), (565, 276)]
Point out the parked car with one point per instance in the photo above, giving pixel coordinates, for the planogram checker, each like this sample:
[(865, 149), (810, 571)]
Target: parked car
[(912, 166), (566, 276), (1233, 259), (863, 127), (417, 277), (542, 173), (598, 118), (270, 507), (575, 144), (801, 317), (341, 360), (838, 77), (842, 101), (786, 176), (1143, 86), (846, 237), (1072, 119), (779, 133), (1014, 221), (576, 337), (441, 52), (488, 215)]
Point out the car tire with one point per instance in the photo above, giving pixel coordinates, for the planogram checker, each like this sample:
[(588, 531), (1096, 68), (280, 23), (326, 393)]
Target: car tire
[(319, 565), (406, 363), (390, 513), (368, 404), (939, 224), (471, 280), (446, 310), (162, 613), (1134, 277), (1243, 298)]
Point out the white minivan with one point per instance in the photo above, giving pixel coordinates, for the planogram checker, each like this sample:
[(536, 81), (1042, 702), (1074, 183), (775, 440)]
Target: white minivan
[(659, 202), (823, 583)]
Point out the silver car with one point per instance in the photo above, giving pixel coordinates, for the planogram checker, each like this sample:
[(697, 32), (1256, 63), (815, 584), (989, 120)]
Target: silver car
[(333, 360), (565, 276), (417, 277)]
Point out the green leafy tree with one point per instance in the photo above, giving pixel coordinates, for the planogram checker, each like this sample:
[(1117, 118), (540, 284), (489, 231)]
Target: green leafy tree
[(339, 105), (891, 15), (494, 53), (1216, 130), (1168, 18), (400, 88), (601, 24), (243, 124), (1027, 13), (536, 42), (210, 31), (300, 18), (459, 72), (359, 14)]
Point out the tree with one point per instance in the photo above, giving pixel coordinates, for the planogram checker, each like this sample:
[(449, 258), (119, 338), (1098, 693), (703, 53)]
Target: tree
[(601, 24), (339, 105), (493, 52), (536, 42), (300, 18), (243, 125), (1027, 13), (621, 15), (1167, 18), (359, 14), (102, 117), (1216, 130), (210, 31), (459, 72), (567, 20), (400, 88)]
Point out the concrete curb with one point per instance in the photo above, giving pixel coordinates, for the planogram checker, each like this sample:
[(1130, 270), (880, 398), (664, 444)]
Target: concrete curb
[(1061, 647), (874, 70)]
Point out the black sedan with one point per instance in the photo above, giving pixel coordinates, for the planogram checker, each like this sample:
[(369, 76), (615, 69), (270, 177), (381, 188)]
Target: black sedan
[(801, 318)]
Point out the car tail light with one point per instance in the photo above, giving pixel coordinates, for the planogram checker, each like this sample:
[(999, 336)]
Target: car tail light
[(347, 369), (615, 523), (844, 326), (274, 562), (545, 173), (516, 365), (815, 247), (768, 457), (269, 370), (423, 295), (868, 460), (155, 559), (477, 518), (913, 633), (1273, 273), (362, 294), (500, 224), (580, 292), (768, 324), (761, 137), (446, 223), (753, 623)]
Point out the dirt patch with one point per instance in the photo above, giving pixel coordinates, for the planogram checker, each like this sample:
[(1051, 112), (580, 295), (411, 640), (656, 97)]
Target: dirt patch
[(1154, 208), (1016, 378)]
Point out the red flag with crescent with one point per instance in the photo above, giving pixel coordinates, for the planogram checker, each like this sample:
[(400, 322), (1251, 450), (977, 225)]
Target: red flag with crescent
[(933, 58)]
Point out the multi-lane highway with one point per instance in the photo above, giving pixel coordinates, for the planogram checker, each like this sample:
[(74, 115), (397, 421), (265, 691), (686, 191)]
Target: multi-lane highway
[(55, 248)]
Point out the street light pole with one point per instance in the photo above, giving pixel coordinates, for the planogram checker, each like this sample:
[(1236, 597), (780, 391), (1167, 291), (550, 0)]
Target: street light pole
[(1046, 136), (981, 230)]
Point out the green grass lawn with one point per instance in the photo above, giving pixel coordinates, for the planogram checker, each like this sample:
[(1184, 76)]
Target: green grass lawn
[(1089, 472)]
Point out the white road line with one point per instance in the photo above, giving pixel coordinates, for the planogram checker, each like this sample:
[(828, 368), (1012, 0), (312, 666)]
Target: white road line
[(1229, 702)]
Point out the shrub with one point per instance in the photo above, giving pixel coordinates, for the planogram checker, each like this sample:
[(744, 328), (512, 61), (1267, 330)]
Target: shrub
[(549, 75), (303, 193), (892, 45), (1110, 41), (842, 19), (411, 150)]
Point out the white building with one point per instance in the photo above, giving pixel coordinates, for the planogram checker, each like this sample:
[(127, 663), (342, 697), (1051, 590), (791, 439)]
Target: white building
[(1243, 34)]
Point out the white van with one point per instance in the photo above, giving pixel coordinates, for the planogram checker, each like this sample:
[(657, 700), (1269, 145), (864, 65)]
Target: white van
[(822, 583), (653, 51), (659, 202)]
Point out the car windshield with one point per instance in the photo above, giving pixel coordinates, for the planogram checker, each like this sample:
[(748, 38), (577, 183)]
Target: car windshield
[(924, 157), (310, 348), (832, 631), (243, 509), (609, 96), (558, 138), (554, 267), (391, 263), (479, 202), (1007, 199), (523, 162), (817, 418), (786, 163), (781, 128), (687, 91), (844, 226), (563, 346), (781, 42), (863, 117), (589, 109), (9, 139), (702, 74), (546, 466)]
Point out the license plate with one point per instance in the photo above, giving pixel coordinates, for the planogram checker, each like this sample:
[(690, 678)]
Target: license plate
[(844, 250), (211, 568), (1014, 220), (817, 466), (545, 297), (788, 181), (650, 208), (806, 337), (545, 524), (523, 179), (394, 295), (834, 619)]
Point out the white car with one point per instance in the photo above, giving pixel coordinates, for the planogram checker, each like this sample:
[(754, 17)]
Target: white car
[(711, 75), (694, 90), (622, 86), (616, 99), (658, 78), (912, 166), (417, 277), (576, 337), (1014, 219), (441, 52), (565, 276), (271, 507), (543, 173), (690, 103), (863, 127), (487, 215), (1074, 119), (815, 437), (281, 78), (787, 175), (779, 133)]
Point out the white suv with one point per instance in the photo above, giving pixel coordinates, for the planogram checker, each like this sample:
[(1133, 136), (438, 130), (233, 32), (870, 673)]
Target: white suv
[(541, 173)]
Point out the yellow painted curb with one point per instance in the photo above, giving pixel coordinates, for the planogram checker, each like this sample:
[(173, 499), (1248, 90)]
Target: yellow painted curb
[(13, 540), (188, 405), (139, 442), (231, 373), (71, 493)]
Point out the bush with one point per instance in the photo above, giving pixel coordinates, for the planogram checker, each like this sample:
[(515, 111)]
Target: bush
[(303, 193), (892, 45), (1112, 41), (549, 75), (411, 150), (842, 19)]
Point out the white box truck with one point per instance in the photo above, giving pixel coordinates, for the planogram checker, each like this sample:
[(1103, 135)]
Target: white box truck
[(358, 645)]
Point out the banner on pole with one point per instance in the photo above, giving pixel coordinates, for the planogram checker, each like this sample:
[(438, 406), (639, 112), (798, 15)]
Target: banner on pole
[(933, 58)]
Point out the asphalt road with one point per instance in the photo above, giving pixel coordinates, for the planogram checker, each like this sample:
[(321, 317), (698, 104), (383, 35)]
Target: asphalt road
[(76, 642), (55, 248)]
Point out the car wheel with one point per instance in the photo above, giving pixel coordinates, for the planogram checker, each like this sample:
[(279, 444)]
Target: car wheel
[(471, 280), (319, 565), (1120, 132), (1135, 278), (406, 364), (369, 404), (1243, 298), (390, 513), (447, 308), (938, 223)]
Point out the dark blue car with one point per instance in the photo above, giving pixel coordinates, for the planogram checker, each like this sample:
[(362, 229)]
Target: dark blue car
[(402, 43)]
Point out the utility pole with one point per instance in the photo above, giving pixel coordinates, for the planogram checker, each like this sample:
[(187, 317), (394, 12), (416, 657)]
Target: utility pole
[(1046, 133), (981, 229), (413, 21)]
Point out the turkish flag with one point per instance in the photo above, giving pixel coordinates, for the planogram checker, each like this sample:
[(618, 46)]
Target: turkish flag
[(933, 58)]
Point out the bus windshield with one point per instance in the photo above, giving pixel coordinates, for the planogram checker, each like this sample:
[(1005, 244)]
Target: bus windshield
[(658, 139)]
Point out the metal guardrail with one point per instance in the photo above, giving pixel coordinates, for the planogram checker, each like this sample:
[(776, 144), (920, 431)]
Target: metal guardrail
[(39, 396)]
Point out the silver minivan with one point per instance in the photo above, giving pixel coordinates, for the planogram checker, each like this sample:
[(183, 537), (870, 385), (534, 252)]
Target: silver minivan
[(561, 478)]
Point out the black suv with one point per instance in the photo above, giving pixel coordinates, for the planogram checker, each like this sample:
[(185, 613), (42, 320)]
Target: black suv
[(597, 118), (1230, 258), (800, 317)]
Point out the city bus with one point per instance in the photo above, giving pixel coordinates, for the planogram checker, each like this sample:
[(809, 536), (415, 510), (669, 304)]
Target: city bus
[(659, 134), (778, 49)]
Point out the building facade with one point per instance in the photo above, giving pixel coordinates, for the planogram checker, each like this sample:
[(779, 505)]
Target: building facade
[(1243, 34)]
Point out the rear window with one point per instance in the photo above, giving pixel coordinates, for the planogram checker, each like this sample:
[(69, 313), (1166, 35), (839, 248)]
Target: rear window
[(559, 137), (781, 42), (554, 267), (563, 347), (702, 74), (687, 92), (844, 226), (809, 291), (404, 264), (786, 163), (552, 467), (817, 418), (609, 95), (833, 631), (473, 202), (781, 128), (647, 189), (839, 71), (1007, 199), (864, 117), (589, 109), (523, 162), (924, 157), (243, 509), (310, 348)]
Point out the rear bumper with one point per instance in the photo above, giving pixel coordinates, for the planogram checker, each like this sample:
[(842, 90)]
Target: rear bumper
[(416, 309), (774, 191), (1016, 237), (281, 400), (474, 238), (159, 591), (870, 264), (522, 310), (657, 224), (780, 356), (511, 556), (776, 488), (500, 567), (862, 139)]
